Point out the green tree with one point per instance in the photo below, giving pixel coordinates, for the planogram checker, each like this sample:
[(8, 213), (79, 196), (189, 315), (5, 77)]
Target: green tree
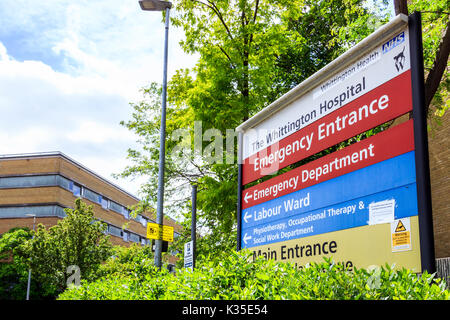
[(14, 269), (135, 260), (78, 239), (325, 30), (13, 273), (251, 52), (436, 50)]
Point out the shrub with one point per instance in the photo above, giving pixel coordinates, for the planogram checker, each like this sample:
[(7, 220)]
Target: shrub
[(135, 261), (14, 269), (233, 276), (77, 240)]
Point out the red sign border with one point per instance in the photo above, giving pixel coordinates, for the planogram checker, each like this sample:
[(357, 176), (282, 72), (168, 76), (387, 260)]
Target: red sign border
[(399, 91), (387, 144)]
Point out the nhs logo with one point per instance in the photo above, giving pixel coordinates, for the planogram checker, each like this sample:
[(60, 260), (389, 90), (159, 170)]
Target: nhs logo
[(395, 41)]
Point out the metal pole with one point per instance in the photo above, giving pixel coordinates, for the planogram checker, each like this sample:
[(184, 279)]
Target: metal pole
[(239, 195), (194, 223), (162, 148), (421, 146), (29, 270)]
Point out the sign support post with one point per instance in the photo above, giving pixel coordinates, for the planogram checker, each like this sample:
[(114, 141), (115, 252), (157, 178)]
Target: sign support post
[(421, 145), (194, 223), (239, 195)]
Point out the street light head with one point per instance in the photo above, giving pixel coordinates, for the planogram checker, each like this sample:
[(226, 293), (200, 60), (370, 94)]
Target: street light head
[(155, 5), (32, 215)]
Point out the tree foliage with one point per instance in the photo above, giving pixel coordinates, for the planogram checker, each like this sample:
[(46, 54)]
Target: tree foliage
[(78, 239), (135, 260), (436, 48), (251, 52), (13, 272)]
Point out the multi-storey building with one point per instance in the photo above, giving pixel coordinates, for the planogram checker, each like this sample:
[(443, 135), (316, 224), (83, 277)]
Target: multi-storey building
[(43, 184)]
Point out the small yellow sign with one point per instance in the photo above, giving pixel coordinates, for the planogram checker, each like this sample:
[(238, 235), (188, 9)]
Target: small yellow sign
[(401, 239), (167, 233), (156, 231), (153, 231), (401, 235), (400, 227)]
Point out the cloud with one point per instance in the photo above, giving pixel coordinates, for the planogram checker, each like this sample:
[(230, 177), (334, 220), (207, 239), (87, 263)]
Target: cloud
[(46, 110), (99, 133), (32, 91), (68, 71), (113, 39), (3, 53), (29, 139)]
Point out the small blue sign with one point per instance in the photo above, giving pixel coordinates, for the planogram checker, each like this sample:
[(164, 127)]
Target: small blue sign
[(392, 43)]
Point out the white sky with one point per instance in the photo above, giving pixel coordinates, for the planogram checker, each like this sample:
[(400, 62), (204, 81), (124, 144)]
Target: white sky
[(68, 70)]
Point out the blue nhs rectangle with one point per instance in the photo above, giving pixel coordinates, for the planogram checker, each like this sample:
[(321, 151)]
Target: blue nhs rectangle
[(395, 41)]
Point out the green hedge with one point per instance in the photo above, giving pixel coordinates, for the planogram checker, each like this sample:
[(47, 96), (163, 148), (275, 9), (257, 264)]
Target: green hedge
[(233, 277)]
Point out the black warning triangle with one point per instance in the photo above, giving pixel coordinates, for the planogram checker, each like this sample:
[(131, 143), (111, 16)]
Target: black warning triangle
[(400, 226)]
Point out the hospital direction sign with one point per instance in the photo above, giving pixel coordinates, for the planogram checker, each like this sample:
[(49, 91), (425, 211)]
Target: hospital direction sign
[(327, 206), (266, 151)]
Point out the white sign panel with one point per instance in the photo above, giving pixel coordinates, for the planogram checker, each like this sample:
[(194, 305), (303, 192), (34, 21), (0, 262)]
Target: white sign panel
[(401, 235), (382, 64)]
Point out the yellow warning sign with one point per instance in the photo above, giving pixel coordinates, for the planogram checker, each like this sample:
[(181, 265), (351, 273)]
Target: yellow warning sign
[(156, 231), (167, 233), (400, 226), (401, 238), (401, 235), (153, 231)]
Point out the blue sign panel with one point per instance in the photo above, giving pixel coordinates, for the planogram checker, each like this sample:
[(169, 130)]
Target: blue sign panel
[(341, 203), (344, 215), (392, 43)]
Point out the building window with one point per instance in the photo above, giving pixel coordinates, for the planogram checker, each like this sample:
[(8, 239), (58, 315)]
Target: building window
[(115, 231), (126, 213), (32, 181), (119, 209), (142, 220), (125, 236), (91, 195), (76, 189), (64, 183), (134, 237), (115, 206), (104, 202), (136, 218), (39, 211), (35, 181)]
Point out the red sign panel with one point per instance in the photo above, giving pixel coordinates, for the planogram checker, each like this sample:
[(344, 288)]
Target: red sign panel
[(385, 145), (382, 104)]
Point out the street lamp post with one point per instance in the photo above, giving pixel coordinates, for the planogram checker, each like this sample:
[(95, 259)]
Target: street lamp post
[(29, 270), (157, 5)]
